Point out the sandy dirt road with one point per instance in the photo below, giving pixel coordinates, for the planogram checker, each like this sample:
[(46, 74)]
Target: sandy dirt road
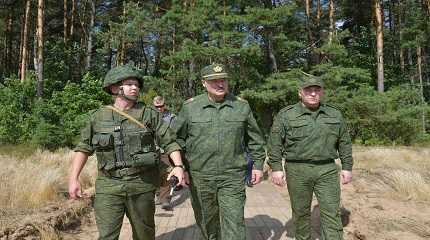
[(365, 214)]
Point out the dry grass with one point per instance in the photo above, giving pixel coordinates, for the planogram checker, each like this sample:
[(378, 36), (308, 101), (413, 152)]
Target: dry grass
[(401, 172), (33, 180)]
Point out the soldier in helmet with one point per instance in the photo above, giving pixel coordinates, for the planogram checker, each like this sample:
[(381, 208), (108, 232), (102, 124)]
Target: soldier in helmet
[(123, 136), (214, 130), (311, 135)]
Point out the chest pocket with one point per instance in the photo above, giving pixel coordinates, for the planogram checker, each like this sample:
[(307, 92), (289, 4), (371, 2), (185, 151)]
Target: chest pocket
[(141, 150), (235, 124), (331, 125), (299, 128), (200, 125), (103, 138), (139, 141), (103, 141)]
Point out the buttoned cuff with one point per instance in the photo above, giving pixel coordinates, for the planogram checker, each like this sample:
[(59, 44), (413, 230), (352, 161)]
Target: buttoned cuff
[(276, 167), (347, 167), (259, 165)]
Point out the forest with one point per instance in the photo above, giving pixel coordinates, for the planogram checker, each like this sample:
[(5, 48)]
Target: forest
[(373, 56)]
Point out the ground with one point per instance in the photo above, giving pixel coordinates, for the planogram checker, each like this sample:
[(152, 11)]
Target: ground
[(366, 214), (388, 199)]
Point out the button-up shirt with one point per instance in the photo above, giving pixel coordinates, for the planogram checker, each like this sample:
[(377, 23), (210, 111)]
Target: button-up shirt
[(215, 136), (302, 135)]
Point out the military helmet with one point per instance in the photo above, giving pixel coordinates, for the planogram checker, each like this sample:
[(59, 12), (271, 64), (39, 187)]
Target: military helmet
[(120, 73), (214, 71), (307, 80)]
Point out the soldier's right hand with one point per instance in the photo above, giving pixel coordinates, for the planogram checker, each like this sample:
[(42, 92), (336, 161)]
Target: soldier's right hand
[(75, 190), (278, 178)]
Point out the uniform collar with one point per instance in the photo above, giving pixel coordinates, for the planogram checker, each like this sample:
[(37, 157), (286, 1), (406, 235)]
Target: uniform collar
[(228, 101), (302, 110)]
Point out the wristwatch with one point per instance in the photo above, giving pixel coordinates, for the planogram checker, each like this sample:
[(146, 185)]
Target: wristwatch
[(180, 166)]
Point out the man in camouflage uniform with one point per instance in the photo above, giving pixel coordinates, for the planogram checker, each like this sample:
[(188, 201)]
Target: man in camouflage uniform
[(162, 194), (123, 137), (215, 129), (310, 135)]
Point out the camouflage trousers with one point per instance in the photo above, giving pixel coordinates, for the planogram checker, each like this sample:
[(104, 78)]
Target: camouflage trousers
[(113, 199), (218, 204), (303, 180)]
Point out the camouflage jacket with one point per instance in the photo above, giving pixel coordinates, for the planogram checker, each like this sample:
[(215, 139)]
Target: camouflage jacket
[(214, 136), (301, 135)]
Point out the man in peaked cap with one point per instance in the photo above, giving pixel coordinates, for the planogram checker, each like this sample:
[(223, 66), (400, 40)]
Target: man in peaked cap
[(214, 130), (123, 136), (310, 135)]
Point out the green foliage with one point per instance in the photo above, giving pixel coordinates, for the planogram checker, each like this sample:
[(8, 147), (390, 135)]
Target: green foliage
[(60, 118), (264, 45), (277, 91), (380, 118), (17, 103)]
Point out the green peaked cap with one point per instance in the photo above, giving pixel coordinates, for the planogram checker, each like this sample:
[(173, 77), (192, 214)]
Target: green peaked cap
[(308, 80), (214, 71)]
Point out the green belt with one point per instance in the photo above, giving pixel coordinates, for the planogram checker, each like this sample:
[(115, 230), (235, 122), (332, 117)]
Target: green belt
[(119, 173), (318, 162)]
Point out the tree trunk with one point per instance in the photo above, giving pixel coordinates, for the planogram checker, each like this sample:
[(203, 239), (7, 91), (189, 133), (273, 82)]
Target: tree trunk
[(191, 84), (40, 18), (420, 77), (400, 30), (90, 33), (9, 24), (428, 6), (308, 20), (379, 44), (145, 57), (270, 52), (109, 59), (121, 53), (331, 19), (72, 19), (35, 51), (65, 21), (25, 41), (318, 15), (157, 58), (21, 38)]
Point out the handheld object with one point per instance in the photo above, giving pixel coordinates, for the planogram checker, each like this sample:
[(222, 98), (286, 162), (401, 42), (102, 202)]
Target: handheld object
[(173, 182)]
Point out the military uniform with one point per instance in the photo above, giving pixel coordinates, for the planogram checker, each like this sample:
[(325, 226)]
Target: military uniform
[(213, 137), (163, 193), (310, 141), (127, 162)]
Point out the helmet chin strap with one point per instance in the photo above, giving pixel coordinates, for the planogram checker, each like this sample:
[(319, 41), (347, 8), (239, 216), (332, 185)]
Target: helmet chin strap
[(130, 98)]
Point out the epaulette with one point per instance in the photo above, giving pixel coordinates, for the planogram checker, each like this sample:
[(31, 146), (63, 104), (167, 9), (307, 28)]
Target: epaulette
[(285, 109), (189, 100), (332, 106), (154, 109), (241, 99)]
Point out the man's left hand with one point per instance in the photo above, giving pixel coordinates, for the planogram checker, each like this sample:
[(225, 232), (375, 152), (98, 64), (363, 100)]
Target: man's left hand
[(346, 176), (257, 176)]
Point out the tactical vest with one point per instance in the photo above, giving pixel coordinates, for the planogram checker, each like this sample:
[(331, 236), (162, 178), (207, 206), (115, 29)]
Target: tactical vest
[(120, 143)]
